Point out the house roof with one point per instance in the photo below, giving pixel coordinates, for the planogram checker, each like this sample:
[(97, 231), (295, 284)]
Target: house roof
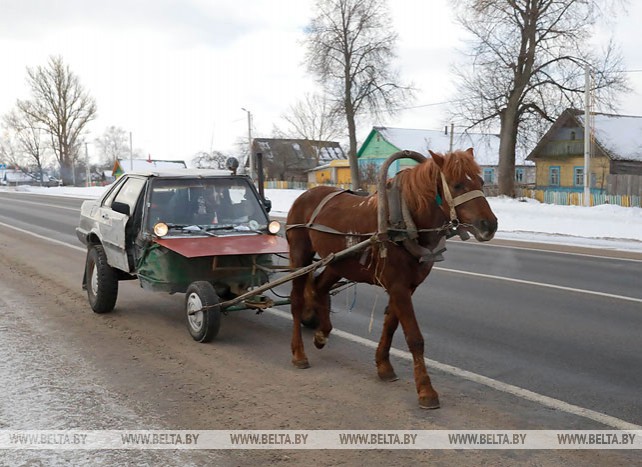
[(618, 136), (485, 146), (122, 166), (15, 176), (332, 164), (303, 148)]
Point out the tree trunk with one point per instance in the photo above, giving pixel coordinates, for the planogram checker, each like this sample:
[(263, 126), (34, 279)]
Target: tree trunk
[(66, 172), (507, 143), (352, 154)]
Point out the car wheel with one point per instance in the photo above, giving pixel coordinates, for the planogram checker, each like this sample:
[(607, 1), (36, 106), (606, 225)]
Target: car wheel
[(203, 325), (101, 280)]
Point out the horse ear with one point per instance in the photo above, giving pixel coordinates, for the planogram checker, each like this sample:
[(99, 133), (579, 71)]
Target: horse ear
[(470, 151), (438, 158)]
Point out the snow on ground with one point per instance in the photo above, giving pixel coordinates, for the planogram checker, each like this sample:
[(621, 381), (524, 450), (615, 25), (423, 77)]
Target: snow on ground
[(604, 226)]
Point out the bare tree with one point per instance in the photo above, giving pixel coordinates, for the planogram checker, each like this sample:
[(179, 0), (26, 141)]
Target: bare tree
[(8, 153), (527, 65), (350, 48), (312, 118), (61, 105), (207, 160), (28, 145), (113, 145)]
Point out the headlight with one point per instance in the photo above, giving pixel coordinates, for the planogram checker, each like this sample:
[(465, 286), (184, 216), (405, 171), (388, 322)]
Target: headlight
[(161, 229), (274, 227)]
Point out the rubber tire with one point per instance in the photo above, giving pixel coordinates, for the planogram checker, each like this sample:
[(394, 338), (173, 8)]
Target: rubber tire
[(203, 326), (102, 300)]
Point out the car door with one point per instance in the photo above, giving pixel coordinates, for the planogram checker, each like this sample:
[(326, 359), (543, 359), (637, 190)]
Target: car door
[(112, 223)]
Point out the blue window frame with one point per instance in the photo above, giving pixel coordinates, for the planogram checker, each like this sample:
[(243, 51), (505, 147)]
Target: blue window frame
[(578, 176), (489, 175), (554, 175), (519, 175)]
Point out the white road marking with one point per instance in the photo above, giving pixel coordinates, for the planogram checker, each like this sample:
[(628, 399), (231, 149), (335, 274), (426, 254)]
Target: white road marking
[(546, 401), (52, 240), (541, 284), (543, 250), (47, 205)]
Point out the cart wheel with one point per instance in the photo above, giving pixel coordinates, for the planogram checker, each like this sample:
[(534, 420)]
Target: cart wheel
[(101, 280), (202, 325)]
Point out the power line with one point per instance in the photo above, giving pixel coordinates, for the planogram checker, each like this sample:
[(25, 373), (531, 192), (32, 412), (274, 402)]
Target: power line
[(423, 105)]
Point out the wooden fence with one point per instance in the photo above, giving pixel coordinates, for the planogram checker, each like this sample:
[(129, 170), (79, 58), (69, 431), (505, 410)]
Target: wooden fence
[(560, 197)]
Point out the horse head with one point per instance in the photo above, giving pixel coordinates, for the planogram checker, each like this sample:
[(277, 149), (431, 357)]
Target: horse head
[(460, 187)]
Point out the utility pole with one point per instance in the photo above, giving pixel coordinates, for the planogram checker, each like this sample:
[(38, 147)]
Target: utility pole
[(452, 135), (131, 153), (249, 142), (87, 171), (587, 136)]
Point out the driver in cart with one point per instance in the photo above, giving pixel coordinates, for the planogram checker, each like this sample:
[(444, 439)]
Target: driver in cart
[(214, 205)]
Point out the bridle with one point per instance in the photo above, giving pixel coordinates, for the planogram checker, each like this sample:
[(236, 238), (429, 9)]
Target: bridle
[(457, 200)]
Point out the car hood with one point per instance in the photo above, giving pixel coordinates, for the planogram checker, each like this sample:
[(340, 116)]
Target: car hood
[(193, 247)]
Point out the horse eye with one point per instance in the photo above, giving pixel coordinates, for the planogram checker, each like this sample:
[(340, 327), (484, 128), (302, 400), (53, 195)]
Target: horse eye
[(459, 186)]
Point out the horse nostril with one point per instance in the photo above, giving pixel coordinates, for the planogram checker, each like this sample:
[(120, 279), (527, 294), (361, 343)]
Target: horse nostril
[(488, 226)]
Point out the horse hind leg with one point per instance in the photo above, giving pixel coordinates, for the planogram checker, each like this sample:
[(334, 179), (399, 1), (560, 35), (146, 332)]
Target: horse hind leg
[(297, 303), (301, 255), (308, 315)]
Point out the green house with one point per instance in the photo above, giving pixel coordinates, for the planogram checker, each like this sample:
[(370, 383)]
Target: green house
[(384, 141)]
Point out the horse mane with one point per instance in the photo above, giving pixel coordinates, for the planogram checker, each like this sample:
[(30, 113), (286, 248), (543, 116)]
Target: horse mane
[(419, 183)]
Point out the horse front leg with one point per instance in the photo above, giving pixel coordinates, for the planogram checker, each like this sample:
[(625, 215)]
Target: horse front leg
[(401, 304), (297, 301), (382, 358)]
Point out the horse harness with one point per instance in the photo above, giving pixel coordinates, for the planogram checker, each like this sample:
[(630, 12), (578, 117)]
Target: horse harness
[(402, 228)]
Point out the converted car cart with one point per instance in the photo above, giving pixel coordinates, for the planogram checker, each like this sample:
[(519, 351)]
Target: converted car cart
[(203, 233)]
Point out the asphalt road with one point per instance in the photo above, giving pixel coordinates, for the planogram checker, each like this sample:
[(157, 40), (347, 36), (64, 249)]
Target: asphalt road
[(563, 324)]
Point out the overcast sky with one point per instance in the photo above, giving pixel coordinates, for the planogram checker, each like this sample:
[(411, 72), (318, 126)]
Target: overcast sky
[(177, 73)]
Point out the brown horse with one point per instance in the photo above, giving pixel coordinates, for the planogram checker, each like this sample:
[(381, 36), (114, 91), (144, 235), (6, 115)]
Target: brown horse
[(441, 195)]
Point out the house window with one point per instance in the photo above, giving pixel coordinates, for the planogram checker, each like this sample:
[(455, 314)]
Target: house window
[(489, 175), (519, 175), (554, 175), (578, 176), (572, 136)]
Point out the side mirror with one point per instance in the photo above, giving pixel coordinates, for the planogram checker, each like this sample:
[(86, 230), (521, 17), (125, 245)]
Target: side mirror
[(267, 204), (122, 208)]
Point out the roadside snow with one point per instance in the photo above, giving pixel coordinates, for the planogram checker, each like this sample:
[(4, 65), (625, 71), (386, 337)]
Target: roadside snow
[(605, 226)]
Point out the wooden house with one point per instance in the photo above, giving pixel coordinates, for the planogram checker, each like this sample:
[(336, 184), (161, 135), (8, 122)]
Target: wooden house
[(290, 159), (336, 172), (615, 153)]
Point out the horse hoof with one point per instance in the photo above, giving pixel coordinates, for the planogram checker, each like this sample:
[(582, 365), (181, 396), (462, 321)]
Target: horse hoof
[(388, 377), (320, 340), (301, 364), (429, 402)]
